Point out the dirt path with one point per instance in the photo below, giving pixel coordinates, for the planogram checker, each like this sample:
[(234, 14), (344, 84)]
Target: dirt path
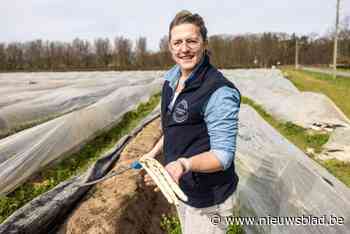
[(122, 204)]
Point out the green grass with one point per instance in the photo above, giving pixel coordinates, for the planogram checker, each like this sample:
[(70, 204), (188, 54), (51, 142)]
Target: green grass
[(304, 139), (299, 136), (339, 169), (235, 229), (171, 225), (338, 90), (343, 69), (76, 163)]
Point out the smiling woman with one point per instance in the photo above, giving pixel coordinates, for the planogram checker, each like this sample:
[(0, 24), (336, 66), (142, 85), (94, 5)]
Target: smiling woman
[(199, 122)]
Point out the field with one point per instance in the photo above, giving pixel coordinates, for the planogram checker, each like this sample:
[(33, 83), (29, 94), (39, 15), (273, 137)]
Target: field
[(73, 164), (336, 89), (96, 121)]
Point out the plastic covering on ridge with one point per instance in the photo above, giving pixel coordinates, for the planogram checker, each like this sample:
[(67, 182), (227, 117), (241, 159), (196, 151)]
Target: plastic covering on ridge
[(279, 180), (276, 179), (45, 213), (280, 98), (26, 152), (29, 98)]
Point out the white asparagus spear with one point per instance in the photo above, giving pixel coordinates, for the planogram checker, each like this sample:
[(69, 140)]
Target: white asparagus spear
[(155, 178), (174, 186), (165, 193), (156, 168)]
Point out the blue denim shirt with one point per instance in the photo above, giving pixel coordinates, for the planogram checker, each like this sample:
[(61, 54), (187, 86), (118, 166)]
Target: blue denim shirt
[(220, 115)]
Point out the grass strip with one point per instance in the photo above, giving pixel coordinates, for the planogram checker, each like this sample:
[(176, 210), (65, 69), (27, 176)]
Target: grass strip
[(304, 139), (297, 135), (76, 163), (338, 91), (338, 168), (171, 225)]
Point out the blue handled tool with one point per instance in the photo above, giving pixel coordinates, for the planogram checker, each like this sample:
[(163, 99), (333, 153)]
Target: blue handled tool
[(136, 165)]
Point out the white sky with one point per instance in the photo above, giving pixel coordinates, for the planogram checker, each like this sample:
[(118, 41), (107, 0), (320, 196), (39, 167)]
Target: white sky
[(23, 20)]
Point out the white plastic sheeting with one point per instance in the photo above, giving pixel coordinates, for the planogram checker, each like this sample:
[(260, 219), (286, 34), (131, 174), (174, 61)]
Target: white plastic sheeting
[(28, 98), (276, 179), (279, 97), (338, 146), (45, 213), (26, 152), (279, 180)]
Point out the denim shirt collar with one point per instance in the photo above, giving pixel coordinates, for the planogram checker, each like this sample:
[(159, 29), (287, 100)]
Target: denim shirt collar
[(173, 75)]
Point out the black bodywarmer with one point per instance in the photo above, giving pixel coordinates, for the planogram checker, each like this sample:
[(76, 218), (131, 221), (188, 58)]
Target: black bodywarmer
[(185, 135)]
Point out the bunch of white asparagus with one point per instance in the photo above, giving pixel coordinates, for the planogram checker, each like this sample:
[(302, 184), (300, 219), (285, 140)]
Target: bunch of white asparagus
[(161, 177)]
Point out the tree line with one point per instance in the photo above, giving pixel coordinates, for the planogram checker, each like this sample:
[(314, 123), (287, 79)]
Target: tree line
[(227, 51), (40, 55)]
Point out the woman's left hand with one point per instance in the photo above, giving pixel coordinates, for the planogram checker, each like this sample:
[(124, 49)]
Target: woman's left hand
[(175, 170)]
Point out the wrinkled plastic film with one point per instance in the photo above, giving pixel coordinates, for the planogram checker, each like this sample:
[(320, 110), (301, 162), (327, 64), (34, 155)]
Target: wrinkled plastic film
[(280, 98), (46, 212), (26, 152), (278, 179), (31, 98)]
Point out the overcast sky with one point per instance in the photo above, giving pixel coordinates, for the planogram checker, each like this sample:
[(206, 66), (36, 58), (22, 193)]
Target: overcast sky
[(64, 20)]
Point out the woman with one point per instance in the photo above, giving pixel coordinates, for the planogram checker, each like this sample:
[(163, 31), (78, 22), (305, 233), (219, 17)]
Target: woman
[(199, 121)]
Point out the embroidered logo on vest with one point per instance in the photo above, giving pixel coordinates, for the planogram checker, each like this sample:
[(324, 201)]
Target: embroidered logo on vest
[(180, 113)]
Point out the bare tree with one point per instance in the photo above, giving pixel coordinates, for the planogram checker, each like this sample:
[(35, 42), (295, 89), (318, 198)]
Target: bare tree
[(3, 56), (141, 52), (14, 55), (344, 42), (103, 51), (164, 53), (227, 51), (122, 53)]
